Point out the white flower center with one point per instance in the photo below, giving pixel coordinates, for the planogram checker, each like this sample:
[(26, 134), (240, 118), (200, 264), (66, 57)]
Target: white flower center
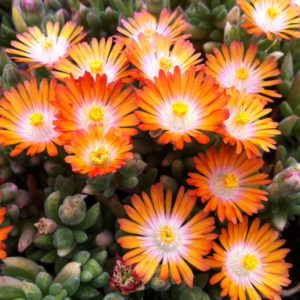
[(167, 238), (269, 16)]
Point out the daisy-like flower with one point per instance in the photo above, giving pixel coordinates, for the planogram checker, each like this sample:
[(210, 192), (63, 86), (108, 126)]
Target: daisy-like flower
[(169, 25), (181, 106), (251, 261), (228, 183), (97, 58), (94, 153), (89, 101), (124, 278), (149, 57), (44, 49), (274, 18), (246, 128), (26, 118), (4, 231), (161, 234), (235, 67)]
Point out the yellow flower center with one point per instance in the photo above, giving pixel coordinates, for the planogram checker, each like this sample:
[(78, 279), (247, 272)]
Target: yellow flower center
[(242, 74), (180, 108), (230, 180), (167, 235), (250, 262), (273, 12), (242, 118), (96, 67), (96, 114), (149, 32), (100, 157), (36, 119), (165, 64), (47, 43)]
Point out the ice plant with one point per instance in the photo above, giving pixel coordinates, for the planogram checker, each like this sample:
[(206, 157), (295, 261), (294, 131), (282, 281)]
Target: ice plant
[(44, 49), (94, 153), (168, 25), (4, 231), (88, 101), (228, 183), (273, 18), (251, 261), (246, 128), (149, 58), (97, 58), (237, 67), (161, 233), (124, 278), (181, 106), (27, 118)]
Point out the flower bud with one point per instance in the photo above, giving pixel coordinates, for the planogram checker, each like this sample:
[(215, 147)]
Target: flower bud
[(45, 226), (104, 239), (27, 236), (33, 11), (73, 209)]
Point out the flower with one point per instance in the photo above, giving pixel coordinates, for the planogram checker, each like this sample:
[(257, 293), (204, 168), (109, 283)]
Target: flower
[(149, 57), (124, 278), (235, 67), (169, 25), (250, 260), (96, 153), (274, 18), (246, 128), (88, 101), (161, 233), (26, 118), (182, 105), (228, 183), (4, 231), (45, 49), (97, 58)]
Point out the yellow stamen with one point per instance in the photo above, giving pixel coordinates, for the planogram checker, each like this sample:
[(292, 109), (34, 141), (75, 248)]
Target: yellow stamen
[(242, 74), (273, 12), (47, 43), (96, 67), (180, 108), (165, 64), (96, 114), (230, 180), (36, 119), (250, 262), (100, 157), (242, 118), (167, 235), (149, 32)]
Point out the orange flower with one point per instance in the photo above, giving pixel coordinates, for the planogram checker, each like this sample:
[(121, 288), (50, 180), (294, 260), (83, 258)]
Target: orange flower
[(235, 67), (4, 231), (228, 183), (96, 153), (246, 128), (45, 49), (97, 58), (149, 57), (182, 105), (250, 261), (274, 18), (169, 25), (27, 118), (86, 101), (162, 234)]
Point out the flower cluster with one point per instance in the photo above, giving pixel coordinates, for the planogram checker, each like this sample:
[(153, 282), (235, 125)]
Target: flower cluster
[(90, 109)]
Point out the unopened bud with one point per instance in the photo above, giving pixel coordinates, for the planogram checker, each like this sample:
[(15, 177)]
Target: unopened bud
[(32, 11), (104, 239), (45, 226)]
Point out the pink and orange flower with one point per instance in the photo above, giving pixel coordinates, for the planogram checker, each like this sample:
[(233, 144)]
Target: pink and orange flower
[(26, 118), (228, 183), (182, 106), (161, 233)]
